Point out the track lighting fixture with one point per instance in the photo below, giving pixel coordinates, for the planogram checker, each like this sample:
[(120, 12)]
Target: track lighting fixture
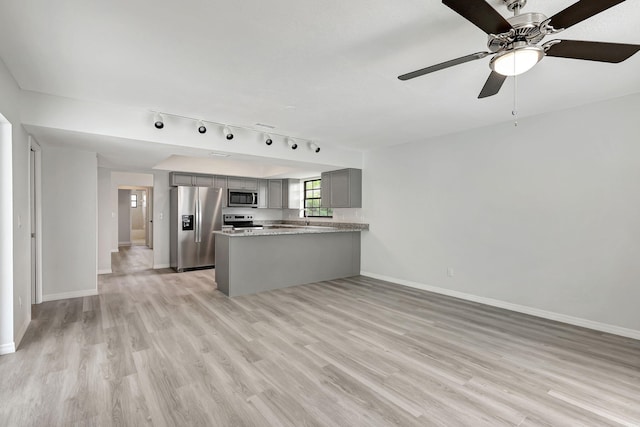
[(201, 125), (227, 133), (157, 121)]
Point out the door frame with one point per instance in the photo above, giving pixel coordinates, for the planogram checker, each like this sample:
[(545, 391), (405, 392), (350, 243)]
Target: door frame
[(35, 186)]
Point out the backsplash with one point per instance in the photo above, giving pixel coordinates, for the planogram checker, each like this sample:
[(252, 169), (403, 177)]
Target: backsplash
[(339, 215), (258, 214)]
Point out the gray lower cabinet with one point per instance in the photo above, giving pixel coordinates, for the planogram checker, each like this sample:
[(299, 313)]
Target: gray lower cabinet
[(342, 188), (263, 193), (279, 261)]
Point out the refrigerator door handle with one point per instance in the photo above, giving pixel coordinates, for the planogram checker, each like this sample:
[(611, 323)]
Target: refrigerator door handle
[(198, 221)]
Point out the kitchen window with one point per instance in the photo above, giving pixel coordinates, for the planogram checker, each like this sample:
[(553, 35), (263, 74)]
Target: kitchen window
[(312, 200), (134, 200)]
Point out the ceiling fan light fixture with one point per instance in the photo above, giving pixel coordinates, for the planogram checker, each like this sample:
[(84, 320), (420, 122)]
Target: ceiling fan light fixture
[(516, 61)]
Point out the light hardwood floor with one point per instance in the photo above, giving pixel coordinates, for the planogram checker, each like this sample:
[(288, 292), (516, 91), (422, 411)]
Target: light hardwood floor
[(160, 348)]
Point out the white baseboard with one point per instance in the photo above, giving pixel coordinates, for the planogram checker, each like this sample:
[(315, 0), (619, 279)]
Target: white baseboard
[(105, 271), (18, 338), (124, 243), (7, 348), (115, 251), (158, 266), (66, 295), (577, 321)]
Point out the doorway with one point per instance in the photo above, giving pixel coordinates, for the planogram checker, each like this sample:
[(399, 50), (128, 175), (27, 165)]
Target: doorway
[(35, 185), (135, 230)]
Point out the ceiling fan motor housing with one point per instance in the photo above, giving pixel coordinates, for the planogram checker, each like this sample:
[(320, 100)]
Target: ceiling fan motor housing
[(526, 28)]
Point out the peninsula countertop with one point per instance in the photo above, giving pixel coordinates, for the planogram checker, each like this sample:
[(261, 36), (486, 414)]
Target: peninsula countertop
[(276, 229)]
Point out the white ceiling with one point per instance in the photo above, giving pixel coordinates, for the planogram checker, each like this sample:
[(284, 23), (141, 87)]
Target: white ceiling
[(320, 70)]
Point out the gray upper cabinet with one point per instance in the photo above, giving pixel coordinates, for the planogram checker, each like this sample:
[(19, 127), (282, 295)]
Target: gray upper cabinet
[(263, 193), (275, 194), (203, 180), (239, 183), (176, 179), (220, 181), (284, 194), (196, 180), (342, 189)]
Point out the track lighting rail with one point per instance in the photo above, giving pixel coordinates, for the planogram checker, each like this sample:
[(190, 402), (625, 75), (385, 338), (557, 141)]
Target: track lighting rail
[(201, 127)]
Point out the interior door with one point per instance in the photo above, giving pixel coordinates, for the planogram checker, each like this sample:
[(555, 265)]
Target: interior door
[(150, 217), (32, 193), (187, 228)]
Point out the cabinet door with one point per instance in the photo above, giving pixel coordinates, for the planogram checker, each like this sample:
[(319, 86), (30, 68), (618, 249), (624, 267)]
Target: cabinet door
[(181, 179), (325, 183), (250, 184), (203, 180), (340, 189), (275, 194), (235, 183), (221, 182), (263, 193), (293, 198)]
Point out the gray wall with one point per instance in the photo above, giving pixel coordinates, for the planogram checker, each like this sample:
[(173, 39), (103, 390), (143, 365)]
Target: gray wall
[(69, 223), (104, 221), (544, 215), (124, 217)]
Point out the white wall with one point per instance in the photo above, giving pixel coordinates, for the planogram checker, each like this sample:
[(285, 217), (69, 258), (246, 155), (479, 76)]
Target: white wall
[(161, 218), (545, 215), (69, 223), (124, 217), (104, 221), (15, 255)]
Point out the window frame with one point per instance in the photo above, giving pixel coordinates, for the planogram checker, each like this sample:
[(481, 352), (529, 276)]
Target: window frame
[(306, 191)]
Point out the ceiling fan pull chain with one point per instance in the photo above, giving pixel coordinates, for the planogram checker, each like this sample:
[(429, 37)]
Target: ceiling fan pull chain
[(514, 112)]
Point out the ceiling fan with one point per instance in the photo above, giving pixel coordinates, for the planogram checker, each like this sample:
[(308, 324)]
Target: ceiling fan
[(514, 41)]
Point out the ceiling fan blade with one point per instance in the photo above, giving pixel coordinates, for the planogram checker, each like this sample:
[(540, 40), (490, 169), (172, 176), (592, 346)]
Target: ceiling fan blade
[(580, 11), (492, 85), (443, 65), (481, 14), (592, 51)]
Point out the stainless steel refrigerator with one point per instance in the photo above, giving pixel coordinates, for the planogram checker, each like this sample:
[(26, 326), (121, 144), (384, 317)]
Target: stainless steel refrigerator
[(195, 213)]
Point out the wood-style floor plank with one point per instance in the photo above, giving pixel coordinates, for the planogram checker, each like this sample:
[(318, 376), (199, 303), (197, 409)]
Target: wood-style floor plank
[(162, 348)]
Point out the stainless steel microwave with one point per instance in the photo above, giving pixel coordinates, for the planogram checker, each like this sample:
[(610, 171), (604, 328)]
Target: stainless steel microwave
[(243, 198)]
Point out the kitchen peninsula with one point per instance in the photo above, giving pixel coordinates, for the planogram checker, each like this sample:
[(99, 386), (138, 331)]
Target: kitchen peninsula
[(282, 255)]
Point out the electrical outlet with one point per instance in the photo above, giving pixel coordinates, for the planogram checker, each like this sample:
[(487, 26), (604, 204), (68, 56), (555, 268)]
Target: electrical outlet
[(450, 271), (161, 215), (20, 301)]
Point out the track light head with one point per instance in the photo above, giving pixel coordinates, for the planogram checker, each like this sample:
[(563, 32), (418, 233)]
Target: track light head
[(227, 133), (201, 127), (292, 144), (157, 121), (314, 147), (268, 140)]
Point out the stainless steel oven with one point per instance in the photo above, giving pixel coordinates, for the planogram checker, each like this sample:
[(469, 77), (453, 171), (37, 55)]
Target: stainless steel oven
[(243, 198)]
